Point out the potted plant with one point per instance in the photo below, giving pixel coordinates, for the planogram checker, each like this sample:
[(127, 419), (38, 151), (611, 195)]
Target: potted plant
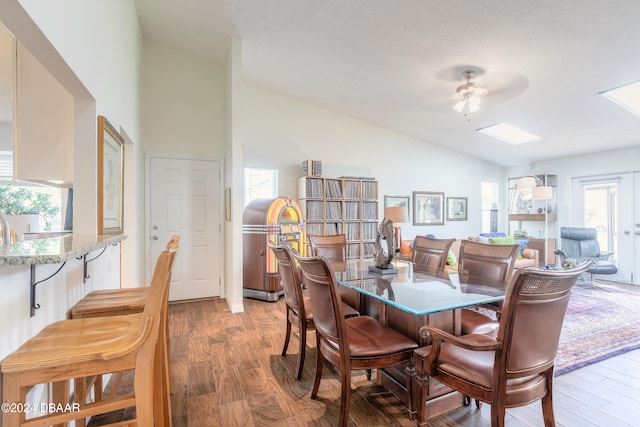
[(16, 202)]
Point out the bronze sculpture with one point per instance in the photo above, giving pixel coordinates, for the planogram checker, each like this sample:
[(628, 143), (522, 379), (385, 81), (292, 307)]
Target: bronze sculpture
[(384, 248)]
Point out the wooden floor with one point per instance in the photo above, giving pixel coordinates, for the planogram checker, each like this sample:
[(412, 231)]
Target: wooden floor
[(227, 371)]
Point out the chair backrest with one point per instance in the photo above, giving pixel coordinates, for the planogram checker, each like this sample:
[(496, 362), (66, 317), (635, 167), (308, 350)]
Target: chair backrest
[(430, 253), (532, 314), (156, 306), (324, 296), (579, 242), (290, 278), (486, 264), (333, 247)]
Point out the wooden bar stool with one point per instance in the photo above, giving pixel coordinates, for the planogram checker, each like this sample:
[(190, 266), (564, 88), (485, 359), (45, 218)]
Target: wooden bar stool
[(116, 302), (75, 348)]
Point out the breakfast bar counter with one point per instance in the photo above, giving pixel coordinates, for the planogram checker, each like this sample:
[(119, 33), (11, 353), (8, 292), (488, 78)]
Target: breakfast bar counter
[(54, 250)]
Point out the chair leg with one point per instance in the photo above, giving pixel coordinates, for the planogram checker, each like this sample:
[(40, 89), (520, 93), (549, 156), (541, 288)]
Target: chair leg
[(547, 402), (498, 412), (287, 334), (345, 396), (12, 393), (411, 372), (319, 365), (303, 348)]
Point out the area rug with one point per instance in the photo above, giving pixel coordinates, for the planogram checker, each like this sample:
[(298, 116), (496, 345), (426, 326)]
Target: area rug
[(601, 322)]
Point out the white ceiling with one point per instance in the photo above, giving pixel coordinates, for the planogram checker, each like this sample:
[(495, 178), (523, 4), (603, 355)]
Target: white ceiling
[(397, 63)]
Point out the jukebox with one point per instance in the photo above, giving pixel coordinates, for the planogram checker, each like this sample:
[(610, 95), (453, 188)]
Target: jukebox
[(277, 220)]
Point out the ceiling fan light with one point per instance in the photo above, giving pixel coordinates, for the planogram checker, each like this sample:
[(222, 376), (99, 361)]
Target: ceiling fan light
[(468, 95), (474, 103)]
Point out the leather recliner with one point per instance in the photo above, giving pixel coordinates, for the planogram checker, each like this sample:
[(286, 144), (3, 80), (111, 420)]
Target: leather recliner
[(581, 243)]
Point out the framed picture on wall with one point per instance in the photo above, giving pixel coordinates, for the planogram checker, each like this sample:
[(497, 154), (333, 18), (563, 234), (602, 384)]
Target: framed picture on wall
[(456, 208), (110, 178), (428, 208), (397, 201)]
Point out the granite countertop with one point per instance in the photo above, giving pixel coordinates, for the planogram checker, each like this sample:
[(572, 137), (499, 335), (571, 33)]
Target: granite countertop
[(54, 250)]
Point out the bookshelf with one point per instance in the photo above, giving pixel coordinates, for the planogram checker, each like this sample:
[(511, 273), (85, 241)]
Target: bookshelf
[(341, 205)]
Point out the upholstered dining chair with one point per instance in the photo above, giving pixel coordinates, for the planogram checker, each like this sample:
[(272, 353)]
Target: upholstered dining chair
[(517, 367), (298, 307), (485, 264), (355, 343), (75, 348), (333, 247), (430, 254)]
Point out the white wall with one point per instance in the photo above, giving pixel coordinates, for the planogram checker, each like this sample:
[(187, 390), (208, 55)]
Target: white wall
[(102, 73), (183, 104), (281, 131)]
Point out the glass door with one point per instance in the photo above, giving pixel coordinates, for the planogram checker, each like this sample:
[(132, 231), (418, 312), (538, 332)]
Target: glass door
[(610, 205)]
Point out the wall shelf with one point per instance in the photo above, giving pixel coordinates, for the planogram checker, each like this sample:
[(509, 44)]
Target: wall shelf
[(532, 217)]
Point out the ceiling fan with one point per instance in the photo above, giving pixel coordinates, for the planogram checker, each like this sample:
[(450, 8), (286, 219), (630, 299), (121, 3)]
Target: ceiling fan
[(492, 87)]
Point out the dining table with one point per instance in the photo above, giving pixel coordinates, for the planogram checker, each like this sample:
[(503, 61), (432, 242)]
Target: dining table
[(406, 299)]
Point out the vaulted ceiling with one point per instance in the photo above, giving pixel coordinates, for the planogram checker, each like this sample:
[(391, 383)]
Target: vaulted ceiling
[(398, 63)]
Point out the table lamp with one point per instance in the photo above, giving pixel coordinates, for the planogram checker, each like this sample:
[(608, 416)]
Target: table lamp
[(397, 215)]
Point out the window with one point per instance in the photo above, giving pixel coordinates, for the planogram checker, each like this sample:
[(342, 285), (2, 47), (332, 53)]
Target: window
[(489, 207), (260, 184), (42, 202)]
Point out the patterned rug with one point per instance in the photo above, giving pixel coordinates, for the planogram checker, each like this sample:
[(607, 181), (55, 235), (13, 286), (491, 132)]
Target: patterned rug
[(600, 323)]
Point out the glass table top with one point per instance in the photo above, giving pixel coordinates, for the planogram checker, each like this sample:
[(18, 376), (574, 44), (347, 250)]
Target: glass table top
[(418, 293)]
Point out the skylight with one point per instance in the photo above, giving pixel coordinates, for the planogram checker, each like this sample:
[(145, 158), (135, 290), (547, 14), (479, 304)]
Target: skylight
[(627, 96), (508, 133)]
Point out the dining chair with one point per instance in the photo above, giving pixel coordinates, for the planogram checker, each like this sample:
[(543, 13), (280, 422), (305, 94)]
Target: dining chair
[(298, 307), (354, 343), (333, 247), (75, 348), (430, 254), (116, 302), (517, 367), (489, 265)]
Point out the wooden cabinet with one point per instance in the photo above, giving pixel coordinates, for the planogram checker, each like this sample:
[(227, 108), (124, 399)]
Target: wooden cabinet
[(539, 244), (346, 206), (44, 117)]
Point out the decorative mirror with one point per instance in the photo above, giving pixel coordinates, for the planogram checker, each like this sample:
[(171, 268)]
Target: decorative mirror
[(110, 178)]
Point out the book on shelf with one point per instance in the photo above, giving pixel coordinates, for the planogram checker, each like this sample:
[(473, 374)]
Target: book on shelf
[(334, 210), (352, 231), (314, 188), (352, 210), (312, 168), (333, 190)]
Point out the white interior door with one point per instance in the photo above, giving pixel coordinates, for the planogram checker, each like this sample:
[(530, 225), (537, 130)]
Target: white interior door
[(184, 199)]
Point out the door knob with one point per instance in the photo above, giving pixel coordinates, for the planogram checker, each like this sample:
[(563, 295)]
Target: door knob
[(627, 232), (155, 237), (637, 233)]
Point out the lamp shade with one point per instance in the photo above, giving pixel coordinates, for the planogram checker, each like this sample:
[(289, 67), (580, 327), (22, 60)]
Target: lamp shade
[(526, 182), (526, 193), (397, 214), (544, 192)]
